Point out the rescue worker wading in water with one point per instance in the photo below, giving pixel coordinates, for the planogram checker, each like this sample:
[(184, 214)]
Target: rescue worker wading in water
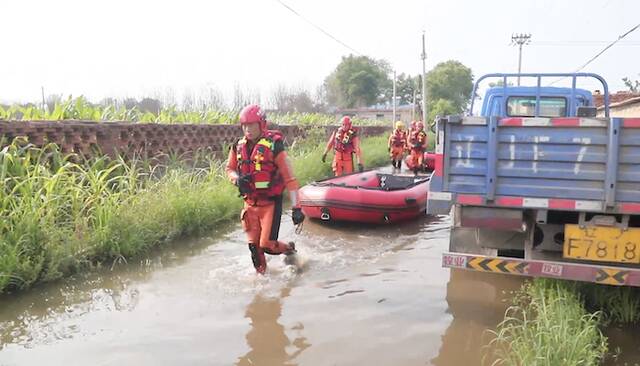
[(417, 143), (397, 145), (345, 143), (259, 166)]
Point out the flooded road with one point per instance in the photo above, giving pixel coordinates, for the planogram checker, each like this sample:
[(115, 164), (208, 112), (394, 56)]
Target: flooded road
[(366, 295)]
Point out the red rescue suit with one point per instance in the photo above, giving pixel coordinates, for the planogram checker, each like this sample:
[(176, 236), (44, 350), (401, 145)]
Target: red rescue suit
[(265, 167), (397, 144), (417, 145), (345, 143)]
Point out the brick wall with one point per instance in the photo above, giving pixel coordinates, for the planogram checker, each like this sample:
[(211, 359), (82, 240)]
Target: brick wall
[(88, 138)]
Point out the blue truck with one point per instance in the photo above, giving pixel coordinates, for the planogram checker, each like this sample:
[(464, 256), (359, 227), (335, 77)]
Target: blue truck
[(539, 186)]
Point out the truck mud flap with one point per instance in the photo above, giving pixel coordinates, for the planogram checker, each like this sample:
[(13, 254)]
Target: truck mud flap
[(606, 275)]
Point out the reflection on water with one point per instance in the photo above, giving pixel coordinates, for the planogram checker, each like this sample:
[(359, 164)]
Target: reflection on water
[(267, 338), (623, 346), (42, 317), (50, 312), (477, 302)]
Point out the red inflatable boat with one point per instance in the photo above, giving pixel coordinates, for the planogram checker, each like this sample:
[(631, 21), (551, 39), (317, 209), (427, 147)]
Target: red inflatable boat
[(370, 197)]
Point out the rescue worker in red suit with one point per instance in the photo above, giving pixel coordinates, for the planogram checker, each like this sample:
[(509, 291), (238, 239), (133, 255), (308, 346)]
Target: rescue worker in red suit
[(345, 143), (397, 144), (259, 166), (417, 143)]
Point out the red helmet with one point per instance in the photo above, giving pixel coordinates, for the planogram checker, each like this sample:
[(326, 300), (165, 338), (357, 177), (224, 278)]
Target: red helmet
[(346, 122), (252, 114)]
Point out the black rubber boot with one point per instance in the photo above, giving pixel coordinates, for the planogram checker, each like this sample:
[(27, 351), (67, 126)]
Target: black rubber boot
[(258, 259), (292, 249), (290, 257)]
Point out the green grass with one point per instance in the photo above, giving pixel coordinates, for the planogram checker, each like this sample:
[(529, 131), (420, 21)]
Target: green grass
[(548, 325), (307, 163), (59, 215), (553, 322), (620, 305)]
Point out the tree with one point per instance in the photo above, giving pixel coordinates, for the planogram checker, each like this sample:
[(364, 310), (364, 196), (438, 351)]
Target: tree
[(357, 81), (441, 107), (294, 99), (130, 102), (150, 105), (633, 85), (406, 86), (450, 81), (244, 96)]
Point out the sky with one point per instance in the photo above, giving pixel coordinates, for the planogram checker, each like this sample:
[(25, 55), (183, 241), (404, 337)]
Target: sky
[(136, 48)]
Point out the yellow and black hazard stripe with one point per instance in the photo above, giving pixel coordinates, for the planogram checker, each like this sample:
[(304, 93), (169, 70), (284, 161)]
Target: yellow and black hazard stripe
[(611, 276), (498, 265)]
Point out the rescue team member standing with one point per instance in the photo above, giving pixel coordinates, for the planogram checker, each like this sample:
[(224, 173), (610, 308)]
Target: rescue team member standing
[(345, 143), (259, 166), (397, 144), (417, 144)]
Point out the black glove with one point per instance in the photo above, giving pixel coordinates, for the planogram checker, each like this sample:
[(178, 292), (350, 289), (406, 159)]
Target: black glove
[(297, 216), (244, 184), (360, 168), (324, 157)]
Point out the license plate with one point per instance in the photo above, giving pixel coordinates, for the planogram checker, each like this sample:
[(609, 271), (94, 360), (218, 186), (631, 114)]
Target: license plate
[(599, 243)]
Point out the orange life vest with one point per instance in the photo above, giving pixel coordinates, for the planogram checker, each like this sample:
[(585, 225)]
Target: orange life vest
[(344, 140), (259, 163), (398, 138), (418, 140)]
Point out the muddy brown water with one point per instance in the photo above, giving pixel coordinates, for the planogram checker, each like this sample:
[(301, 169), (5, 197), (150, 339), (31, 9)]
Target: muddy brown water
[(366, 295)]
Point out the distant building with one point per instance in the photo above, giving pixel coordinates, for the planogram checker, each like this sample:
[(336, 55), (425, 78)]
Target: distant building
[(621, 104), (404, 113)]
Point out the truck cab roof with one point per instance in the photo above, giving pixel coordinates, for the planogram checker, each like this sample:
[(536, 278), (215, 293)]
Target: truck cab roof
[(532, 90), (520, 101), (538, 101)]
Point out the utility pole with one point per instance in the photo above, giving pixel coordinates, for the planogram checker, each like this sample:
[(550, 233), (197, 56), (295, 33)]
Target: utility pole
[(520, 40), (424, 81), (413, 110), (393, 119), (44, 105)]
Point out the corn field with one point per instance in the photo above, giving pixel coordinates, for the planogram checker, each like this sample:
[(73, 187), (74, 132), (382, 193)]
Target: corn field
[(81, 109)]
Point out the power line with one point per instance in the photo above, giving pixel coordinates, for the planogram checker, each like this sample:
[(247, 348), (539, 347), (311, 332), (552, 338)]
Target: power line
[(583, 41), (580, 43), (318, 27), (606, 48), (601, 52)]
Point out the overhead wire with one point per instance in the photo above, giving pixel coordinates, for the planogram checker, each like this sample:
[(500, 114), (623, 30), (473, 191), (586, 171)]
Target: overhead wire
[(601, 52), (319, 28), (609, 46)]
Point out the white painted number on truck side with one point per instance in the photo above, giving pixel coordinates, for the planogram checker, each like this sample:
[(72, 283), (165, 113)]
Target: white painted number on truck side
[(512, 151), (464, 162), (581, 153), (537, 152)]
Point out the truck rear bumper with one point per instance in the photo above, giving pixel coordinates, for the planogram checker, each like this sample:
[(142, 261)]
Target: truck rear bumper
[(601, 274)]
